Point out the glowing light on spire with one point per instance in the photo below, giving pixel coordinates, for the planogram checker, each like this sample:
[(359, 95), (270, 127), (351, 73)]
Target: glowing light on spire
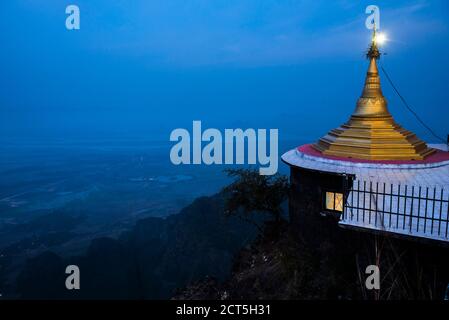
[(380, 38)]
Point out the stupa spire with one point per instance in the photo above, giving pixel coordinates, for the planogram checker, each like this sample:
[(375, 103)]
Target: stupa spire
[(371, 132), (372, 101)]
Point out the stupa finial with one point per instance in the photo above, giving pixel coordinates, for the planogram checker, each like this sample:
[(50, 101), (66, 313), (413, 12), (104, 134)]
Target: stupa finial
[(373, 51)]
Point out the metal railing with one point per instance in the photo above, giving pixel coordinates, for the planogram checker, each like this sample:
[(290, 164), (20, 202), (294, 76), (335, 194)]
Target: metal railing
[(417, 211)]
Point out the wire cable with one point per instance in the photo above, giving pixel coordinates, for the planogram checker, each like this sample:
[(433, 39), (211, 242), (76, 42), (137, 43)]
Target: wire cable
[(410, 109)]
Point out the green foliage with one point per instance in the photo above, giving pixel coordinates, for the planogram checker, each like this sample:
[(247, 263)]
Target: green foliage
[(254, 193)]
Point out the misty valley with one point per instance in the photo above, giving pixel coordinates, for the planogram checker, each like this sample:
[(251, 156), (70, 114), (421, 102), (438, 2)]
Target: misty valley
[(60, 199)]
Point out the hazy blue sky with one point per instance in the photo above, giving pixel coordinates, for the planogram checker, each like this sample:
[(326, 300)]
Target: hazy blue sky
[(138, 69)]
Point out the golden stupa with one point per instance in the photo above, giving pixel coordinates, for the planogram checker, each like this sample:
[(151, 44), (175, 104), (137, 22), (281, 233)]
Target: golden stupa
[(371, 132)]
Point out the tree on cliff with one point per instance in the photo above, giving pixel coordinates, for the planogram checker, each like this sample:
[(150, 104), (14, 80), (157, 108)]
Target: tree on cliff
[(252, 194)]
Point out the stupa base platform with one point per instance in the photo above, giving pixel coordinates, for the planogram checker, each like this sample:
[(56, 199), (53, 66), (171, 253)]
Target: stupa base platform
[(308, 152)]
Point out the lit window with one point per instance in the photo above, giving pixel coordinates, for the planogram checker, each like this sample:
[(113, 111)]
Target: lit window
[(334, 201)]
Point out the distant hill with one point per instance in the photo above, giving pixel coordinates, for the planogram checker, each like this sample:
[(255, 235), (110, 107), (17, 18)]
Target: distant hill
[(150, 261)]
